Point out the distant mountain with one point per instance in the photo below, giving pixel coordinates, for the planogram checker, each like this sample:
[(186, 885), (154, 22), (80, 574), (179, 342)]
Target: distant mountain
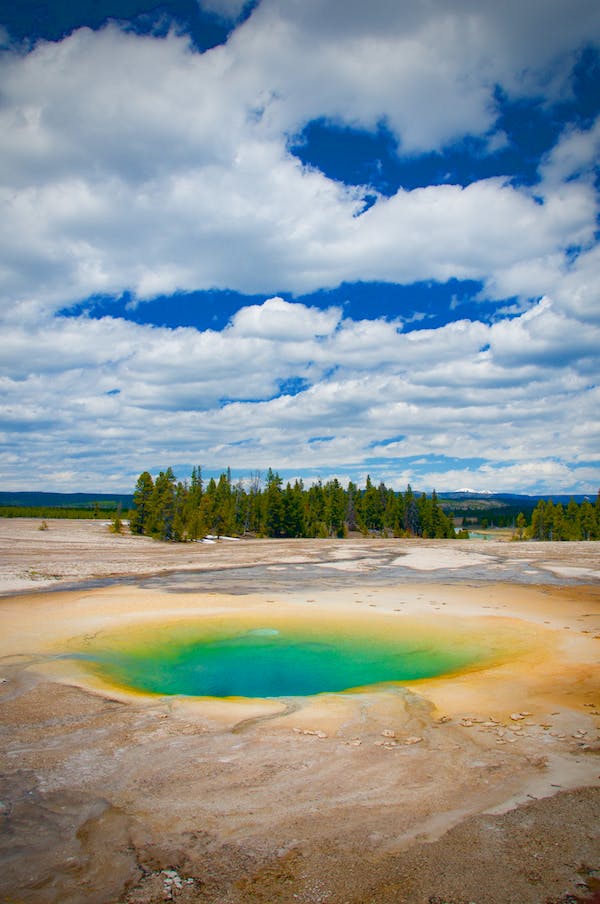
[(67, 500), (458, 500), (513, 499)]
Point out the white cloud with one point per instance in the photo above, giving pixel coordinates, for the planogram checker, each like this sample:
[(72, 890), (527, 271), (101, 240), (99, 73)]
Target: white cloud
[(137, 163), (537, 476), (109, 390), (229, 10), (576, 154), (133, 163), (429, 69), (279, 320)]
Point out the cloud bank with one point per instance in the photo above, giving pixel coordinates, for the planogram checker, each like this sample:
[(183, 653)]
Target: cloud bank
[(137, 164)]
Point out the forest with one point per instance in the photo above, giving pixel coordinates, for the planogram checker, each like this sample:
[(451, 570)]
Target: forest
[(168, 509), (550, 521)]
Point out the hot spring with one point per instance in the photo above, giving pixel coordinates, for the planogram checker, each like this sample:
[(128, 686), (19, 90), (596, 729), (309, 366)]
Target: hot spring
[(236, 656)]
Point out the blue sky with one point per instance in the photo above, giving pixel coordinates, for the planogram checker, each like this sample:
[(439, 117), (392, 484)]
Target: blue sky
[(333, 239)]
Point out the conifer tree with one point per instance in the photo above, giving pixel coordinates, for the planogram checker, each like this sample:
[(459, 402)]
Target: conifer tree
[(293, 511), (142, 500), (162, 508), (273, 505), (412, 524), (372, 506), (316, 517), (335, 508), (351, 514), (587, 519)]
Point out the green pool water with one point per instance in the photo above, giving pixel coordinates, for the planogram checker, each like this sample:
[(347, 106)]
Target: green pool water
[(242, 658)]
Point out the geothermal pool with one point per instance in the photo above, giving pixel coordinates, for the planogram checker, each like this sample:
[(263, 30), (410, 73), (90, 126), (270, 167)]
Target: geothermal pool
[(286, 657)]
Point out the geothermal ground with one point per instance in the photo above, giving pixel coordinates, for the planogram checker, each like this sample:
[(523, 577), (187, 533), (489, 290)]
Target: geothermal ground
[(481, 786)]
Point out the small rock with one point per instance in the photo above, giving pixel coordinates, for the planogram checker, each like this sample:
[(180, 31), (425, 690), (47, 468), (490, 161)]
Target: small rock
[(413, 740), (388, 733), (444, 719), (516, 717), (539, 762)]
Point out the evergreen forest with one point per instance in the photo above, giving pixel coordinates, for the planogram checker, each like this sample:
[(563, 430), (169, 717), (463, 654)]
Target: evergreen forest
[(168, 509), (550, 521)]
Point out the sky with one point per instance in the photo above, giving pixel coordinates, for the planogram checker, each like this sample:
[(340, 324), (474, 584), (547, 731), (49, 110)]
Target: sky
[(331, 238)]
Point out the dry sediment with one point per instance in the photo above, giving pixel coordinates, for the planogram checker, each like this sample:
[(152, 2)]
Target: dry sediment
[(481, 787)]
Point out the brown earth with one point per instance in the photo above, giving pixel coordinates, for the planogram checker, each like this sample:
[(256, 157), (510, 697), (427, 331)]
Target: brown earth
[(476, 787)]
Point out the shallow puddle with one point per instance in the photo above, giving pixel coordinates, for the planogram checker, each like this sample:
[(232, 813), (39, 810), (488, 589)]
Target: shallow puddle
[(266, 657)]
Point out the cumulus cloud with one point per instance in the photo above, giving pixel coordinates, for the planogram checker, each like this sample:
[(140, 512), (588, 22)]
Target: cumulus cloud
[(278, 319), (106, 389), (138, 164), (429, 69), (576, 154)]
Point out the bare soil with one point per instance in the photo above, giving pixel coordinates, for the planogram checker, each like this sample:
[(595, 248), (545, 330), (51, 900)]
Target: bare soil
[(482, 787)]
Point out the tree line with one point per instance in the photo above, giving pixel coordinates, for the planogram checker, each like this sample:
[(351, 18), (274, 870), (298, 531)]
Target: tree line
[(170, 509), (550, 521), (82, 513)]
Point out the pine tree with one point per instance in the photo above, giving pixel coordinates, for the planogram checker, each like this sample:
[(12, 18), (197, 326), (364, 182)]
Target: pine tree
[(372, 507), (425, 510), (273, 505), (162, 508), (572, 527), (224, 515), (179, 531), (142, 499), (293, 511), (558, 522), (538, 521), (412, 524), (193, 522), (335, 508), (588, 521), (208, 507), (351, 514), (316, 517)]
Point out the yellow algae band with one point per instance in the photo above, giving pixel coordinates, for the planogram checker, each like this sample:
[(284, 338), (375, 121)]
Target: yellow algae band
[(264, 656)]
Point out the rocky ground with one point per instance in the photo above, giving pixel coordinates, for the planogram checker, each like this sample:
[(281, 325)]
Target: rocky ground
[(479, 788), (69, 552)]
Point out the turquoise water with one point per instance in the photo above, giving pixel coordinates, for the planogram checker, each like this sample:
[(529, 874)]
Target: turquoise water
[(277, 660)]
